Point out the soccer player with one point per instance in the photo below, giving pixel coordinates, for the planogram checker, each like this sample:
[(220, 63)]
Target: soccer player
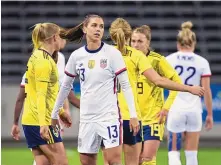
[(150, 97), (137, 63), (41, 89), (98, 65), (185, 114)]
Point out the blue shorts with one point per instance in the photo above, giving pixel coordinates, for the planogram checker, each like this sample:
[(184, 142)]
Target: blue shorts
[(33, 138), (153, 132), (128, 137)]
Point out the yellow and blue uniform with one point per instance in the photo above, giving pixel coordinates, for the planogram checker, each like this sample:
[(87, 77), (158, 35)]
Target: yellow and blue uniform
[(136, 64), (151, 97), (41, 88)]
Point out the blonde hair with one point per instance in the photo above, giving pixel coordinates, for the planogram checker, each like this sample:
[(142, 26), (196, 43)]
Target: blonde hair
[(144, 29), (42, 32), (120, 31), (186, 37), (76, 33)]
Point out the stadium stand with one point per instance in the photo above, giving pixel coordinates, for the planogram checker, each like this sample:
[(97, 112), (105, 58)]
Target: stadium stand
[(163, 17)]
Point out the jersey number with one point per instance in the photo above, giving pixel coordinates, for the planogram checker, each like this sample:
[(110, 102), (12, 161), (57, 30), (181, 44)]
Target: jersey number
[(155, 129), (112, 131), (140, 87), (81, 73), (191, 70)]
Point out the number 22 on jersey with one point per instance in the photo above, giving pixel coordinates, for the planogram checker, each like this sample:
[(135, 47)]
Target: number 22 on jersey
[(190, 70)]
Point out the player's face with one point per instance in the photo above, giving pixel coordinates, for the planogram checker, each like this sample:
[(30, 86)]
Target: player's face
[(140, 42), (94, 29)]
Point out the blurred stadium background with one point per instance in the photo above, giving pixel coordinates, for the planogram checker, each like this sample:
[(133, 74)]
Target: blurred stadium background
[(163, 17)]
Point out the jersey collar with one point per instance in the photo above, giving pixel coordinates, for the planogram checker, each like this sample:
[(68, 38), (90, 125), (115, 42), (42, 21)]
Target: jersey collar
[(94, 51), (45, 51)]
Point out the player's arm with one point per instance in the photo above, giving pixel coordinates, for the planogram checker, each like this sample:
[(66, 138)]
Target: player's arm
[(65, 88), (15, 132), (19, 101), (19, 104), (162, 82), (119, 69), (205, 82), (208, 95), (169, 72), (172, 94), (73, 99), (66, 106)]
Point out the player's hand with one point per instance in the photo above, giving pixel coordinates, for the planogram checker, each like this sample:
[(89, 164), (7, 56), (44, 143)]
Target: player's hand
[(15, 132), (162, 115), (55, 124), (209, 122), (66, 119), (44, 132), (197, 90), (134, 126)]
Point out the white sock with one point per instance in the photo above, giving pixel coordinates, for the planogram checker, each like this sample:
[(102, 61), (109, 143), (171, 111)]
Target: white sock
[(174, 158), (34, 163), (191, 158)]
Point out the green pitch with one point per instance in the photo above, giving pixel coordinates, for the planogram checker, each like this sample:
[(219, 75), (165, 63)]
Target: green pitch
[(23, 156)]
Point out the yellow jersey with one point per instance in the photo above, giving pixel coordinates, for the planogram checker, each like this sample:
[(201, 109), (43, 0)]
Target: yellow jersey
[(151, 97), (136, 63), (41, 88)]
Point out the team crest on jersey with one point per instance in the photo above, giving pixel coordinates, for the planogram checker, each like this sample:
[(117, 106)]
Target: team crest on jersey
[(103, 63), (91, 64)]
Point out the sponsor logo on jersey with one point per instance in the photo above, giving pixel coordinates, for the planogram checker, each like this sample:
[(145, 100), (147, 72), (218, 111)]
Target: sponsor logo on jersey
[(103, 63), (91, 64)]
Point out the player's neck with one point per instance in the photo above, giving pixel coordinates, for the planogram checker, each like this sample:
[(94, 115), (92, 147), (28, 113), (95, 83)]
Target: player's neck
[(48, 49), (93, 45)]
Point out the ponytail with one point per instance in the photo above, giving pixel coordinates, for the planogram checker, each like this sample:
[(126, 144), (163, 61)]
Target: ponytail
[(120, 40), (74, 34)]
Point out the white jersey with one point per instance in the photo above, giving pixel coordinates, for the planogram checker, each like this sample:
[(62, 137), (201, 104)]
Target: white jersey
[(23, 81), (190, 67), (61, 66), (97, 71)]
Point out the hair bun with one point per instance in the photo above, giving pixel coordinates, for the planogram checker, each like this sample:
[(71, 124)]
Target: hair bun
[(187, 25)]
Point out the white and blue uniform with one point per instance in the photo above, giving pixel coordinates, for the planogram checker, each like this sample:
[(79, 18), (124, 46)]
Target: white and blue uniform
[(186, 112), (99, 111)]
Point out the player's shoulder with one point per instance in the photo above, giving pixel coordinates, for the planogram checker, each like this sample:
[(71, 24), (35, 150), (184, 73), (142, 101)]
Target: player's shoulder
[(200, 58), (156, 56), (41, 55), (172, 55), (134, 53), (110, 49), (79, 50), (61, 55)]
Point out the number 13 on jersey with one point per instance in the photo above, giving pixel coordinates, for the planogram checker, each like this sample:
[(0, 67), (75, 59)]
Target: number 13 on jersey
[(81, 73)]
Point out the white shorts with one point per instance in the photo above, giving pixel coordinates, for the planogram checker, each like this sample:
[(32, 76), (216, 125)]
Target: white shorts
[(178, 122), (91, 135)]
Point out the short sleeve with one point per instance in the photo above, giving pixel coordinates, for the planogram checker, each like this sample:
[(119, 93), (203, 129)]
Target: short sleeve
[(206, 69), (70, 69), (143, 63), (43, 68), (117, 63), (166, 69), (23, 81)]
